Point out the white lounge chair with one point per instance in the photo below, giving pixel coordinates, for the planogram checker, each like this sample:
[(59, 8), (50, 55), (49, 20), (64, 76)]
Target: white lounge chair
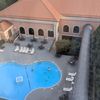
[(1, 50), (24, 49), (72, 74), (27, 50), (16, 49), (68, 89), (32, 51), (21, 49), (70, 79), (72, 82)]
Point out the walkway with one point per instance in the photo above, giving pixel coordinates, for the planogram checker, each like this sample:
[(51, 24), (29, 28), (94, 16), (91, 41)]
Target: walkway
[(81, 88)]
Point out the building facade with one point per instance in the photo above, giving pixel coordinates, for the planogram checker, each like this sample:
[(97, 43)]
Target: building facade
[(48, 19)]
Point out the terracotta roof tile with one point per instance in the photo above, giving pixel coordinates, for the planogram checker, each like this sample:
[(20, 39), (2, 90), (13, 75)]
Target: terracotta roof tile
[(81, 8), (4, 25), (32, 9), (52, 9)]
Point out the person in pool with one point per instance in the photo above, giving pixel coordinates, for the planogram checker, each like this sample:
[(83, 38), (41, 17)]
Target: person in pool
[(49, 68)]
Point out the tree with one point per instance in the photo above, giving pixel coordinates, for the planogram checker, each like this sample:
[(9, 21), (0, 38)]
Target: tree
[(6, 3), (75, 46), (62, 46), (95, 63)]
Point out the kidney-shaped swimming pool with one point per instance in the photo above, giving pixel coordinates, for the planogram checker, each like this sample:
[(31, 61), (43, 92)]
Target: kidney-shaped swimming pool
[(17, 80)]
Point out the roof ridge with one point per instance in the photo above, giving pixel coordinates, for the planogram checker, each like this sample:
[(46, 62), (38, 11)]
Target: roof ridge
[(54, 12)]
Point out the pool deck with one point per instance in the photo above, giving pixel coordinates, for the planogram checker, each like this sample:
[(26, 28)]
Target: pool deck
[(45, 94)]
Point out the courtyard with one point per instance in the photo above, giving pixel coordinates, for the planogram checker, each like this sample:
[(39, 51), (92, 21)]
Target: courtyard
[(53, 93)]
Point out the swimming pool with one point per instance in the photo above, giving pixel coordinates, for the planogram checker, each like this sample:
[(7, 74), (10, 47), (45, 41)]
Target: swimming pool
[(43, 74)]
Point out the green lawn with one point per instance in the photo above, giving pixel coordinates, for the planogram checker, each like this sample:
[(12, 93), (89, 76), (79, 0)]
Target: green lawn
[(6, 3)]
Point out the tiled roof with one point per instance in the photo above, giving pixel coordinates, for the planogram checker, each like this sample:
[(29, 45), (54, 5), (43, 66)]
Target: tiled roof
[(4, 25), (81, 8), (52, 10), (28, 9)]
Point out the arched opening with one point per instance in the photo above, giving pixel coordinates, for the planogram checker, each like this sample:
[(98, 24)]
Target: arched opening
[(40, 32), (31, 31), (22, 30), (76, 29), (66, 28), (50, 33)]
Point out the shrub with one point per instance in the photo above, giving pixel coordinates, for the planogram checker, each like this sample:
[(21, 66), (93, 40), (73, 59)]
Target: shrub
[(69, 47), (75, 46), (6, 3), (95, 65), (62, 46)]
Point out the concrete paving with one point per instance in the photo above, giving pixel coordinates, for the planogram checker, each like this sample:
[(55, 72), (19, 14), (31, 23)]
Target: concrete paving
[(62, 62), (81, 87)]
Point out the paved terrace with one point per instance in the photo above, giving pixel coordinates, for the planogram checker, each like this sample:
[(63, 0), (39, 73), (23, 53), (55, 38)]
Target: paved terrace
[(45, 94)]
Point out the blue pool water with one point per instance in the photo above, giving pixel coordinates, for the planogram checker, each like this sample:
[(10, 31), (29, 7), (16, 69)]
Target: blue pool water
[(43, 74)]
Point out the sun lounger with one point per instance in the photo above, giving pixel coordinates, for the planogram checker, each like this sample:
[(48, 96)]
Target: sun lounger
[(72, 82), (27, 50), (32, 51), (24, 49), (17, 48), (67, 89), (21, 49), (1, 50), (70, 79), (72, 74)]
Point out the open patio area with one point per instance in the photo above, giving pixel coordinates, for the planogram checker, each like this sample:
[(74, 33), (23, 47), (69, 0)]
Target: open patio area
[(9, 55)]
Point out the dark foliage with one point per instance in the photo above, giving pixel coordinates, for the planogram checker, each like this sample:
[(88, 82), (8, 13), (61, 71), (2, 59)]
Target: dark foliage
[(6, 3), (1, 44), (69, 47), (94, 69)]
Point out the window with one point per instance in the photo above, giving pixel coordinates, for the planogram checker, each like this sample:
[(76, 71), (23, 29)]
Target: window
[(31, 31), (76, 29), (40, 32), (66, 28), (22, 30), (50, 33)]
